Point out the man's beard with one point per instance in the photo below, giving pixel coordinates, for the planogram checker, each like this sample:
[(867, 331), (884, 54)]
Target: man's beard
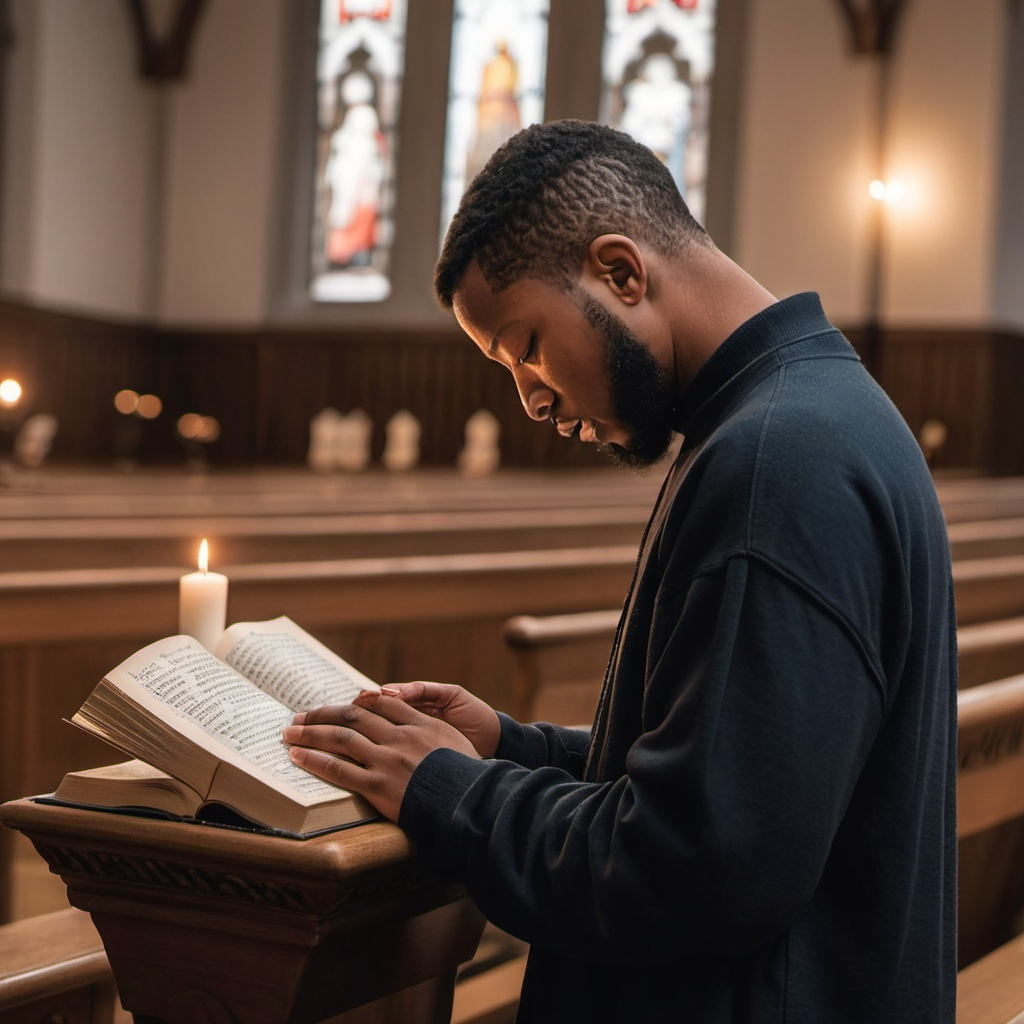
[(641, 390)]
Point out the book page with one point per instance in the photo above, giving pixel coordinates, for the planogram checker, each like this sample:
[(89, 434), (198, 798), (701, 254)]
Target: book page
[(286, 662), (213, 702)]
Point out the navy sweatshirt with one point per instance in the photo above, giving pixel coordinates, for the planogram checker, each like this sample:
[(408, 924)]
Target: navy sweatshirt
[(761, 827)]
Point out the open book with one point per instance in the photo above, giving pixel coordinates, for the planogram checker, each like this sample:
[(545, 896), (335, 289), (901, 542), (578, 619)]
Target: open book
[(208, 729)]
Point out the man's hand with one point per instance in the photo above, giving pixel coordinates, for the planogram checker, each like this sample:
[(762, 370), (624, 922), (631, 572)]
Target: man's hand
[(477, 721), (371, 748)]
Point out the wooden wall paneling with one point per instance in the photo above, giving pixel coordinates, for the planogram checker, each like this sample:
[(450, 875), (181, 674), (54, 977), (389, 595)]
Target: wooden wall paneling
[(944, 375), (264, 384), (71, 367), (1007, 404)]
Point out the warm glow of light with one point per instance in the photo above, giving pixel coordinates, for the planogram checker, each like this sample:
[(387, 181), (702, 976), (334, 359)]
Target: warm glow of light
[(193, 427), (150, 407), (10, 391), (126, 401), (189, 425), (892, 191), (204, 556)]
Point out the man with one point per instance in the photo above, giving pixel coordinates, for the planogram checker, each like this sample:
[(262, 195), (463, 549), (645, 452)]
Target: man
[(761, 825)]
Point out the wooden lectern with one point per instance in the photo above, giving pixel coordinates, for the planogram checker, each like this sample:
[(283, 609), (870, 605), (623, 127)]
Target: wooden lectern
[(205, 925)]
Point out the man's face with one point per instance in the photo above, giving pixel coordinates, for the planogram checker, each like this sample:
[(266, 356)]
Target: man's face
[(574, 363)]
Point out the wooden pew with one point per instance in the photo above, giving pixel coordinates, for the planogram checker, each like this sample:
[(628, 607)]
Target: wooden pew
[(990, 650), (987, 538), (989, 588), (96, 542), (283, 491), (560, 659), (991, 990), (53, 968), (560, 663), (111, 543), (981, 498), (990, 808)]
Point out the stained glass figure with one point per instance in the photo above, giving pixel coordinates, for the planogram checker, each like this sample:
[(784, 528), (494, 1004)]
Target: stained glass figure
[(496, 84), (359, 78), (657, 62)]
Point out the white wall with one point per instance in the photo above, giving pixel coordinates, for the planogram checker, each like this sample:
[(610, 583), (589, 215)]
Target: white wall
[(946, 146), (1008, 283), (806, 159), (799, 223), (221, 168), (79, 166)]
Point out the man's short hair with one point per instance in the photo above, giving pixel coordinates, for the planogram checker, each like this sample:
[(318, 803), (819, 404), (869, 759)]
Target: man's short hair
[(547, 193)]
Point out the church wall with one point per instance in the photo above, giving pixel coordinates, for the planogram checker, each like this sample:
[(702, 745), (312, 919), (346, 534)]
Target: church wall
[(806, 159), (944, 138), (223, 132), (79, 168), (801, 165), (1008, 301)]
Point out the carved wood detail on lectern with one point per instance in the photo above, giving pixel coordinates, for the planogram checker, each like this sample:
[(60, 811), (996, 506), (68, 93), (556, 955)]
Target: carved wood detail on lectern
[(189, 879)]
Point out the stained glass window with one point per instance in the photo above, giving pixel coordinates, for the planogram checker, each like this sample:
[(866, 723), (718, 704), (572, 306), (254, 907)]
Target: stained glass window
[(359, 81), (496, 85), (657, 61)]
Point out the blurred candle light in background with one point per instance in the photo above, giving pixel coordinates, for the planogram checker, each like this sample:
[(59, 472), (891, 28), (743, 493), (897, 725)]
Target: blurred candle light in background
[(149, 407), (126, 401), (10, 392)]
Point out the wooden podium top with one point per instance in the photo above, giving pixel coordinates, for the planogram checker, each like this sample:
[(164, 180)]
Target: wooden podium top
[(348, 852), (298, 930)]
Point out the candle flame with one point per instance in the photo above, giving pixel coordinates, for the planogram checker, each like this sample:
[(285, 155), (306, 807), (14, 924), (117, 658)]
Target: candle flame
[(204, 556)]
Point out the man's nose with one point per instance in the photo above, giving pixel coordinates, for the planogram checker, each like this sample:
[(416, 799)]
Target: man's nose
[(537, 397)]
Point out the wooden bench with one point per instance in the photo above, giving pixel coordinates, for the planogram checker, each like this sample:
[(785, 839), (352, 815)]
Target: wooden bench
[(989, 588), (239, 540), (991, 990), (981, 498), (560, 660), (990, 650), (114, 541), (987, 538), (53, 968), (990, 807), (158, 493)]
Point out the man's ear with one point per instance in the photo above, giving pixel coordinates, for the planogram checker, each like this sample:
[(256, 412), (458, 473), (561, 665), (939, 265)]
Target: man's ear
[(617, 262)]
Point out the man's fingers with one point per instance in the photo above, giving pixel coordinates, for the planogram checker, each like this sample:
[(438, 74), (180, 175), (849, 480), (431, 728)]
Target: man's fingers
[(336, 770), (335, 740), (364, 715), (427, 697), (397, 710)]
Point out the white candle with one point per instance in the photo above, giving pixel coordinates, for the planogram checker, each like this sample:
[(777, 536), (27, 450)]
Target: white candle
[(203, 602)]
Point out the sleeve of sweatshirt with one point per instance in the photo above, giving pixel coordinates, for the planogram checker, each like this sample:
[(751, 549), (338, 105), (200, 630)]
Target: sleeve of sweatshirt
[(760, 707), (542, 744)]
